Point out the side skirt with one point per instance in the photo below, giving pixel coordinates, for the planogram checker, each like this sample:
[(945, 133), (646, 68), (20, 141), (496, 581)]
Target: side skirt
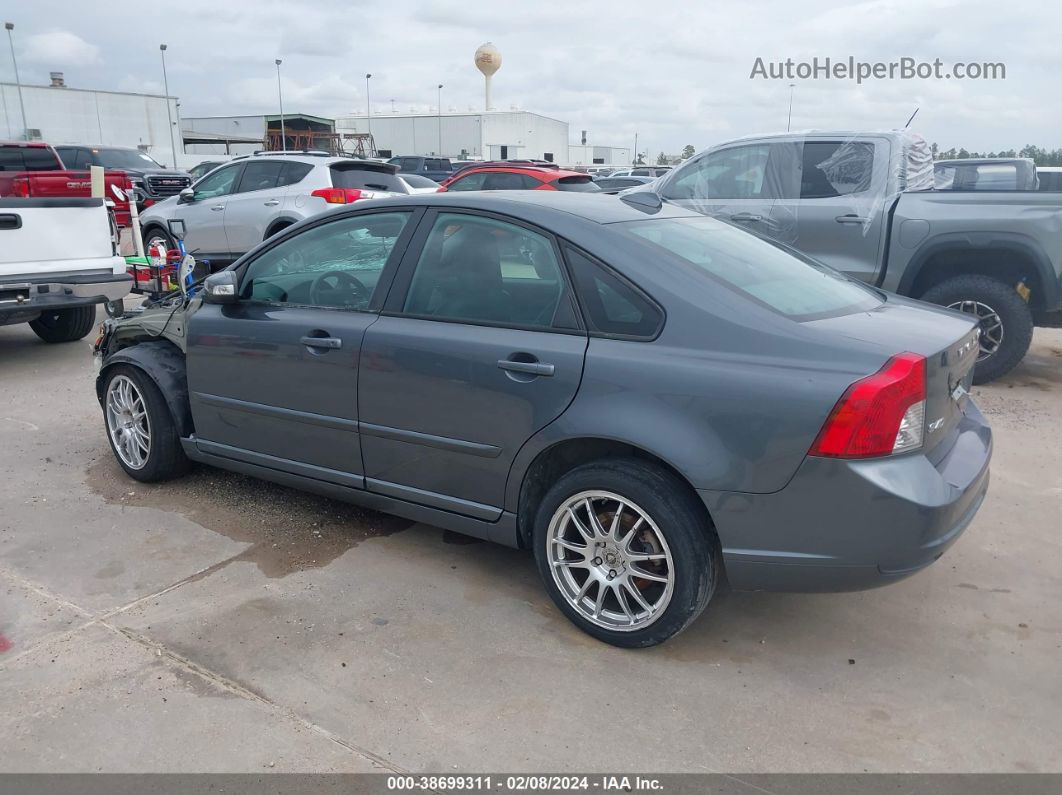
[(502, 531)]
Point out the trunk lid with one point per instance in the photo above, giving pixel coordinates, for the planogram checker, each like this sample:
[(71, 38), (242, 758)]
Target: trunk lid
[(947, 340)]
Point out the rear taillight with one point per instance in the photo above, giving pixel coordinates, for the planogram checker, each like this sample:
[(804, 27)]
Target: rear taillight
[(337, 195), (20, 187), (879, 415)]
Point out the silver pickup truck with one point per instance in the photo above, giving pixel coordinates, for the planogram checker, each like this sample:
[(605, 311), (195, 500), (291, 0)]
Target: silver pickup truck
[(865, 204), (58, 259)]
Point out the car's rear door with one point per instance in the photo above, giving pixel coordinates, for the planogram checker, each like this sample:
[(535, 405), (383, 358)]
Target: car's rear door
[(839, 215), (478, 347), (273, 378), (256, 201)]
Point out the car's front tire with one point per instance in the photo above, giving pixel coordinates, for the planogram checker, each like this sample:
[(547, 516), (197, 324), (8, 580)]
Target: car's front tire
[(626, 551), (64, 325), (1005, 320), (140, 427)]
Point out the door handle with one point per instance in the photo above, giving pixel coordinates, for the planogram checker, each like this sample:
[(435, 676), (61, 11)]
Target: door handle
[(746, 217), (271, 203), (850, 218), (218, 207), (534, 367), (328, 343)]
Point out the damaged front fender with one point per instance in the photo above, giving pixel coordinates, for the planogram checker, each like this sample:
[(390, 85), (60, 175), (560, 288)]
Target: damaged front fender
[(163, 362)]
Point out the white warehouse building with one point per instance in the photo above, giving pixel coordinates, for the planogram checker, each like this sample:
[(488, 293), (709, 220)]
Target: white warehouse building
[(482, 135), (59, 114)]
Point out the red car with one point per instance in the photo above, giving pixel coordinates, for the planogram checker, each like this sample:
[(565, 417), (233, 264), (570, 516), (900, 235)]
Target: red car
[(497, 177)]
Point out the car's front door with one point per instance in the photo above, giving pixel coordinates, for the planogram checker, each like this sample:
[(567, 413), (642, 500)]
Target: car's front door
[(204, 215), (478, 348), (273, 378), (738, 184), (256, 201)]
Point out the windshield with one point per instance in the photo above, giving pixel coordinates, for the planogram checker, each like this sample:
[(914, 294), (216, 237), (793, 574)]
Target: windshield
[(794, 287), (123, 158)]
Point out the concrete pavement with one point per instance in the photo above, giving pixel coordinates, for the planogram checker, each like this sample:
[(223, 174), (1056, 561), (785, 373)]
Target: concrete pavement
[(220, 623)]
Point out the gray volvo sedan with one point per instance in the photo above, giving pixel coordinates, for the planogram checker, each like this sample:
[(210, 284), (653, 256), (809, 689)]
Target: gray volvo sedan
[(648, 399)]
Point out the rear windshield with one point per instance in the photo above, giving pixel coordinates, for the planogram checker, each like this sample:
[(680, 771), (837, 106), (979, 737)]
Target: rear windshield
[(123, 158), (27, 158), (417, 181), (355, 178), (794, 287), (579, 184)]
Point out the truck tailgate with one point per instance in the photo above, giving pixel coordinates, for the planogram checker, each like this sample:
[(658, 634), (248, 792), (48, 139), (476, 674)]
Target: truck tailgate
[(41, 237)]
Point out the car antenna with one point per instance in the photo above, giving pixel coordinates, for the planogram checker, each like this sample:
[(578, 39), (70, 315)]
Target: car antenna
[(646, 201), (911, 119)]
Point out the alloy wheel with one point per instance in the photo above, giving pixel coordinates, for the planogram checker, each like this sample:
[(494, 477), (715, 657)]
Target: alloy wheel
[(610, 561), (989, 322), (128, 423)]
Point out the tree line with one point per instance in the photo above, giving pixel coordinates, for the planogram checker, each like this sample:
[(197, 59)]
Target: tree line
[(1040, 156)]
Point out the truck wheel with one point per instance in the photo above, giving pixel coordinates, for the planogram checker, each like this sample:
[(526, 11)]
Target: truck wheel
[(140, 427), (1005, 319), (626, 551), (64, 325)]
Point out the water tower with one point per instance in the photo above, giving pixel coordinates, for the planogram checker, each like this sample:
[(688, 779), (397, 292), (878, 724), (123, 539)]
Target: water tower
[(488, 61)]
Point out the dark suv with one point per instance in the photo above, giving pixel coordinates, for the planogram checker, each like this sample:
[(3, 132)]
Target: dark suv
[(154, 180), (436, 168)]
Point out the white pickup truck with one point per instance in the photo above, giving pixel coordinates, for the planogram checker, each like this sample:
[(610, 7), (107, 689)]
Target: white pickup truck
[(58, 259)]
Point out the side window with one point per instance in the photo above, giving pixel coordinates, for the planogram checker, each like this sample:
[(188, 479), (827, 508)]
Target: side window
[(735, 173), (834, 168), (336, 264), (479, 270), (611, 305), (293, 173), (259, 175), (471, 182), (217, 183), (501, 180)]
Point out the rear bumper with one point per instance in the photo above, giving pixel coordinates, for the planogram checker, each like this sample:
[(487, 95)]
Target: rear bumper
[(18, 298), (853, 525)]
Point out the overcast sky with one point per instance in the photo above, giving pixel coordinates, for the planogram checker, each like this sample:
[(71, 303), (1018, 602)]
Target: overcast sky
[(676, 73)]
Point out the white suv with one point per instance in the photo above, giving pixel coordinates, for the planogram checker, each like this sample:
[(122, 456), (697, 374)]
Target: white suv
[(238, 205)]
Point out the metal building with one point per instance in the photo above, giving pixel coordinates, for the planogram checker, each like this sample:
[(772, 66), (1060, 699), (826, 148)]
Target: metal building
[(589, 155), (60, 114), (489, 135)]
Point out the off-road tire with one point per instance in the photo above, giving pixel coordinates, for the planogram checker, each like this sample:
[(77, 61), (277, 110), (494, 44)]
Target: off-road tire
[(1012, 311), (64, 325), (683, 521)]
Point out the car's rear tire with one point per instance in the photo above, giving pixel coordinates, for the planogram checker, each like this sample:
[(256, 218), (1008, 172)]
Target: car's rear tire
[(1005, 319), (662, 531), (64, 325), (140, 427)]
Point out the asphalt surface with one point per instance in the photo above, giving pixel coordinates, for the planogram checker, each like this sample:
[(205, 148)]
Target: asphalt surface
[(223, 624)]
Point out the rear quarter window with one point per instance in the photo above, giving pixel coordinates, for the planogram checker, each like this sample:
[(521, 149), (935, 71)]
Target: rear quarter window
[(611, 306), (772, 277), (577, 184)]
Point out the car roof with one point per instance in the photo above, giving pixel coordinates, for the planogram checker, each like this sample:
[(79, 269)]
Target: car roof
[(26, 144), (538, 171), (351, 163), (543, 207)]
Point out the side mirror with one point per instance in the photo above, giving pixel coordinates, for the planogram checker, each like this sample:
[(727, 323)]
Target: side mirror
[(220, 288), (185, 196)]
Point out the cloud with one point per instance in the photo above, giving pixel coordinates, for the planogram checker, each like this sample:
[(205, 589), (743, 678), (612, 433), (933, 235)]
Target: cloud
[(673, 71), (60, 48)]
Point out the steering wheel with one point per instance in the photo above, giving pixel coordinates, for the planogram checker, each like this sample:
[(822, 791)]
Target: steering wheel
[(343, 290)]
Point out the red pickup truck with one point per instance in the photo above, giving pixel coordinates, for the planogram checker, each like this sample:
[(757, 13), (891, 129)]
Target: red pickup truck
[(33, 169)]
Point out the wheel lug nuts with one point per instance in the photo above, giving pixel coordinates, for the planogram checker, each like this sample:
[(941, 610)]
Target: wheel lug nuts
[(597, 561), (612, 574)]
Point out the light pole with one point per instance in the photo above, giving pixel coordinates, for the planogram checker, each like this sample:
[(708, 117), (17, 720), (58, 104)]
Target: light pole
[(10, 26), (789, 121), (439, 109), (280, 99), (169, 114), (368, 111), (635, 161)]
